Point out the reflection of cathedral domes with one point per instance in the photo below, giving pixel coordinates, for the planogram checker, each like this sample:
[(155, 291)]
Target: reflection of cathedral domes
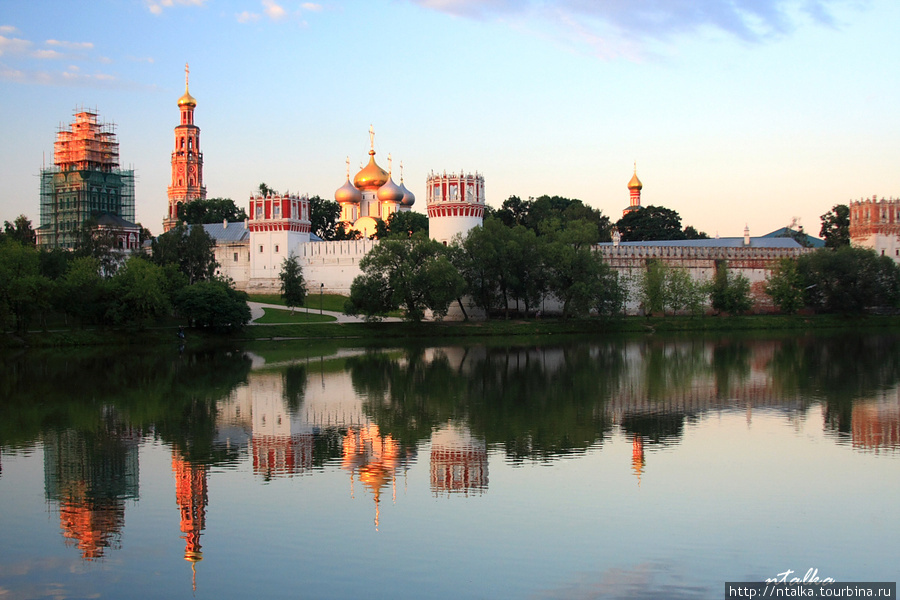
[(347, 193), (389, 192), (371, 177)]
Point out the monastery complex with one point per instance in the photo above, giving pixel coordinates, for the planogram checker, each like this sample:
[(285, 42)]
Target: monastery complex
[(86, 181)]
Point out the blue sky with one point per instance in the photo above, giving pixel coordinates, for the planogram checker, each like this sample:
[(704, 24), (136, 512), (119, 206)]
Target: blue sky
[(737, 111)]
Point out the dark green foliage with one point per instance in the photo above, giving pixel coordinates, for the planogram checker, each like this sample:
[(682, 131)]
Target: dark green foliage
[(650, 223), (137, 294), (213, 304), (412, 274), (191, 249), (293, 286), (730, 292), (836, 226), (324, 217), (402, 224), (849, 280), (210, 210), (20, 230), (546, 213), (785, 286)]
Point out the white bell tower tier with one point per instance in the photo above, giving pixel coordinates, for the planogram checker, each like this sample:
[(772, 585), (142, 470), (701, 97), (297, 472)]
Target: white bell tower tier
[(455, 204)]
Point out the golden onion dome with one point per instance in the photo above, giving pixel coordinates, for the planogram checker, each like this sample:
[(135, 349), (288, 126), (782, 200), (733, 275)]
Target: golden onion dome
[(408, 197), (389, 192), (635, 183), (371, 177), (347, 193), (187, 100)]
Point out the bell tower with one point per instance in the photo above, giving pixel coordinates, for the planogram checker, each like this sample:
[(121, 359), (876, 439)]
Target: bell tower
[(187, 160)]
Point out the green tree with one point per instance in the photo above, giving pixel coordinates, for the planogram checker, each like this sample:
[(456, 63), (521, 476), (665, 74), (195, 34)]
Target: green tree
[(100, 244), (412, 274), (785, 286), (484, 250), (836, 226), (293, 286), (730, 292), (849, 280), (210, 210), (20, 230), (650, 223), (652, 290), (402, 224), (80, 291), (324, 216), (213, 304), (265, 190), (190, 248), (138, 294), (572, 266), (610, 292)]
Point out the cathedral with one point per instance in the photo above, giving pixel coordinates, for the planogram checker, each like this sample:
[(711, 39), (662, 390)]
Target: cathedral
[(251, 253)]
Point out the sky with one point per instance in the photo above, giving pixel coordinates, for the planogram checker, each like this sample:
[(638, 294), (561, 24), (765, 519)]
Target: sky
[(735, 112)]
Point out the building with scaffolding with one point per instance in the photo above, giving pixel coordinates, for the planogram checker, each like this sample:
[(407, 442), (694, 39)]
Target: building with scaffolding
[(86, 186)]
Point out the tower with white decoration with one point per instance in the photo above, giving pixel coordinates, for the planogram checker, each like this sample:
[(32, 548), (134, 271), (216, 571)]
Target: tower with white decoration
[(455, 204)]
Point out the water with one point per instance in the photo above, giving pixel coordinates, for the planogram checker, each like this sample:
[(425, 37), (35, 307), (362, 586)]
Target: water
[(625, 468)]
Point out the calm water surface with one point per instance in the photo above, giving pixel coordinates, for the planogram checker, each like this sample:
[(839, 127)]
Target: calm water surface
[(632, 468)]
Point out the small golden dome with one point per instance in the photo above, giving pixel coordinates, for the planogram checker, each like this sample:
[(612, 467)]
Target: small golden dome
[(372, 176), (187, 100), (347, 194), (635, 183)]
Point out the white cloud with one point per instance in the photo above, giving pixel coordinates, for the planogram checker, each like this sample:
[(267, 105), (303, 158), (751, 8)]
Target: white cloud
[(247, 17), (311, 7), (7, 29), (47, 54), (13, 45), (157, 6), (273, 10), (70, 45)]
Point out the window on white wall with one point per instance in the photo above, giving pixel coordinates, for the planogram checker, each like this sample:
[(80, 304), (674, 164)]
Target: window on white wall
[(260, 249), (276, 248)]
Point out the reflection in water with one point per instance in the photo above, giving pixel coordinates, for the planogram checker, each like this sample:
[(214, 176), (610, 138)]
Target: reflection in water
[(369, 413), (191, 496), (459, 462), (90, 474), (375, 460)]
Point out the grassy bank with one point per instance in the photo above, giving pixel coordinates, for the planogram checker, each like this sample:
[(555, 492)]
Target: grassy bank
[(447, 330)]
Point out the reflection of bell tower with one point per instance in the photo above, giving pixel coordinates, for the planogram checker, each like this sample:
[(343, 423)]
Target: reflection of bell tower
[(191, 495), (637, 456), (187, 160)]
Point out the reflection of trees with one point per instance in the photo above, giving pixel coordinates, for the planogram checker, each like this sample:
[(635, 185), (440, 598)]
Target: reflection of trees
[(536, 401), (294, 380), (838, 369), (171, 393), (672, 365), (656, 428)]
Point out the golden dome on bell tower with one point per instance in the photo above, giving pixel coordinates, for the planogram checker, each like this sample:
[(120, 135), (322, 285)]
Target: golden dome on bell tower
[(635, 183), (187, 99)]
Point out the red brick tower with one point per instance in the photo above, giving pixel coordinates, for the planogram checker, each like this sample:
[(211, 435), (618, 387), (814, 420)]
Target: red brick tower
[(187, 160)]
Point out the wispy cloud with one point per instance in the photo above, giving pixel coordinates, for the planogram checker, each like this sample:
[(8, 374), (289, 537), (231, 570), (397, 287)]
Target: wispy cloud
[(279, 11), (24, 62), (13, 45), (7, 29), (158, 6), (70, 45), (614, 27)]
